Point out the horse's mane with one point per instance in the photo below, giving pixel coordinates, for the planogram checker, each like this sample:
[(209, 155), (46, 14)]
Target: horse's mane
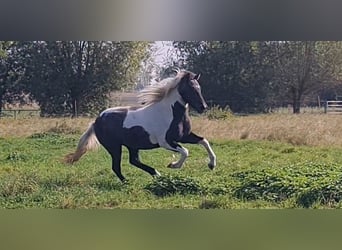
[(156, 92)]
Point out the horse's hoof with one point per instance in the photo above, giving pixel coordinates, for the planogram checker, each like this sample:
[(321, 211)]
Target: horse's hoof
[(173, 165), (124, 181), (211, 166), (157, 174)]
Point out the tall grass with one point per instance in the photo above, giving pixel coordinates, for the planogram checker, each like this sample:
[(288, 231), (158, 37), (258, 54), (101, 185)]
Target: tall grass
[(303, 129), (10, 127)]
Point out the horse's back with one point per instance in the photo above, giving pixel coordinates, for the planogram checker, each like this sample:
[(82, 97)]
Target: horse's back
[(109, 126)]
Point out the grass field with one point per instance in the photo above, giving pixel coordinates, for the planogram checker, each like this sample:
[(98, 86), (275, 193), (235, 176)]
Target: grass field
[(263, 161)]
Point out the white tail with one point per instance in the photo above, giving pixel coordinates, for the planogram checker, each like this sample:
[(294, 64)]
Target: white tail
[(88, 141)]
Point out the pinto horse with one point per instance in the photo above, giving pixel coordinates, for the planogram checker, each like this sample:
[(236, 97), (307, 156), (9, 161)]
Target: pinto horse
[(162, 120)]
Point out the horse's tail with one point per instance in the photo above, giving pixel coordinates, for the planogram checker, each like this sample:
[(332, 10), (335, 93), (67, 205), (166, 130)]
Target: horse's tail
[(87, 142)]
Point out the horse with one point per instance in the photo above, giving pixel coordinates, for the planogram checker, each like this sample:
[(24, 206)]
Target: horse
[(161, 120)]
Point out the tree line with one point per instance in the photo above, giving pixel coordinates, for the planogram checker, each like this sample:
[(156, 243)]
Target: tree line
[(76, 77), (257, 76), (68, 77)]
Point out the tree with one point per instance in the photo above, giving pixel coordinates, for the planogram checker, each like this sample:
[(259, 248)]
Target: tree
[(76, 76), (330, 59), (234, 73), (302, 67), (295, 69), (10, 73)]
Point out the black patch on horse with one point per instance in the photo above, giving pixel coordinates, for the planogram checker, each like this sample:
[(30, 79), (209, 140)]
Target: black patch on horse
[(111, 134), (180, 125), (136, 137), (109, 128)]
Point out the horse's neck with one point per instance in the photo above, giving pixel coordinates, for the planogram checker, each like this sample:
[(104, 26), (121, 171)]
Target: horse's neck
[(172, 98), (171, 102), (176, 105)]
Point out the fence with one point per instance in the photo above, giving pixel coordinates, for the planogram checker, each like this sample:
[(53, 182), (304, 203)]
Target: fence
[(333, 107), (16, 113)]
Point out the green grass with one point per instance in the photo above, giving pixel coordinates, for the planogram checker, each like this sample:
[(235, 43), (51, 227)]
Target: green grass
[(249, 174)]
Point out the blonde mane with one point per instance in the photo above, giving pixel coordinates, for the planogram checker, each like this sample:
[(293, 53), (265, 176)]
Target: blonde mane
[(156, 92)]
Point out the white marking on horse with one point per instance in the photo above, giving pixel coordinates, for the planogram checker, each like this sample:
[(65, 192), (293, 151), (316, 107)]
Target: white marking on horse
[(196, 84), (184, 154), (146, 117), (210, 151)]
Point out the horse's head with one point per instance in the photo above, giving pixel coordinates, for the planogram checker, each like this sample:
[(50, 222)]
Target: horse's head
[(190, 91)]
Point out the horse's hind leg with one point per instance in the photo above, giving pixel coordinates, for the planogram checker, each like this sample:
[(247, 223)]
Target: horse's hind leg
[(134, 160), (195, 139), (115, 152)]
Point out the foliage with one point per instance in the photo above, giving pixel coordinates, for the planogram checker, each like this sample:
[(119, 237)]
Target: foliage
[(75, 77), (255, 76), (302, 67), (237, 74), (307, 183), (170, 185), (218, 113), (10, 72), (16, 156)]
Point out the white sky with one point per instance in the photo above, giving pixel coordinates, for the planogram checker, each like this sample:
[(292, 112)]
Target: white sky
[(163, 50)]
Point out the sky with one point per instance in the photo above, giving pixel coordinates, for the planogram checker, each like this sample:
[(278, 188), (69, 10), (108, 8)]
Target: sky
[(163, 49), (160, 57)]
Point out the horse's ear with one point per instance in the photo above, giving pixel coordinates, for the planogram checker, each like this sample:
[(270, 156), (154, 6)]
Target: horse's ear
[(197, 76)]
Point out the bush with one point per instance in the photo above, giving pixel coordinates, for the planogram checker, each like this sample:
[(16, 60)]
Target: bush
[(263, 184), (326, 194), (218, 113), (307, 184), (169, 185)]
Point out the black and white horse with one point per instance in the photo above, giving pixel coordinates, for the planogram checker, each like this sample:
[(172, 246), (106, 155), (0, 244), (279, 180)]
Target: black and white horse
[(161, 121)]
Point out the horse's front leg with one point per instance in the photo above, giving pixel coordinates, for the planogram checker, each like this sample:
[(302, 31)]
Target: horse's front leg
[(175, 147), (195, 139)]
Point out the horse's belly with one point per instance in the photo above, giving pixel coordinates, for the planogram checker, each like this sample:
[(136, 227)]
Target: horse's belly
[(137, 137)]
